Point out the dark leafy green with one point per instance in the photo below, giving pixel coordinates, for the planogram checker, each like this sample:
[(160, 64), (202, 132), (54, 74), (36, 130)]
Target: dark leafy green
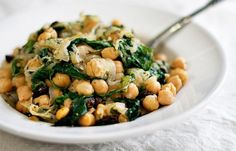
[(58, 26), (133, 106), (29, 46), (16, 67), (47, 71), (43, 52), (125, 81), (95, 44), (69, 69), (141, 58), (78, 109), (159, 69), (60, 99), (45, 56), (39, 76)]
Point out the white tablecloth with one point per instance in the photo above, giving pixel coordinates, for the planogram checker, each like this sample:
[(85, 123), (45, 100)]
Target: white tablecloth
[(212, 128)]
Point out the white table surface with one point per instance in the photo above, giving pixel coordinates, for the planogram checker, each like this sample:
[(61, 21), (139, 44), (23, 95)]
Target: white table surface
[(212, 128)]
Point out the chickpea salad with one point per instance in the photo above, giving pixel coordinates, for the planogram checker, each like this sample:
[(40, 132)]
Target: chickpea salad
[(86, 73)]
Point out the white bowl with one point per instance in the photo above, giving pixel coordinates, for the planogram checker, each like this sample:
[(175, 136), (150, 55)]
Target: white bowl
[(205, 58)]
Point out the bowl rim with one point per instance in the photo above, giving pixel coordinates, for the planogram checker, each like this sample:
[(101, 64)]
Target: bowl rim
[(127, 132)]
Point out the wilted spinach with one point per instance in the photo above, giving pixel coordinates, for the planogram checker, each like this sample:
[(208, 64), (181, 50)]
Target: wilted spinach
[(69, 69), (78, 109), (159, 69), (125, 81), (39, 76), (45, 56), (133, 106), (141, 58), (95, 44), (16, 67), (29, 46)]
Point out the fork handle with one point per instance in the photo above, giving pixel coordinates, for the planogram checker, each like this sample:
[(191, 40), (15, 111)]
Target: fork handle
[(179, 24)]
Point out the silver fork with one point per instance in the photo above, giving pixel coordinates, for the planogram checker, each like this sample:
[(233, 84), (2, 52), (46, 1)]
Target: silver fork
[(178, 25)]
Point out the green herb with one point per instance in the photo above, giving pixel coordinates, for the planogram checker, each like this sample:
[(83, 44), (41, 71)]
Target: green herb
[(69, 69), (60, 99), (95, 44), (78, 109), (125, 81), (45, 56), (159, 69), (43, 52), (29, 46), (133, 106), (141, 58), (58, 26), (40, 75), (16, 67), (48, 70)]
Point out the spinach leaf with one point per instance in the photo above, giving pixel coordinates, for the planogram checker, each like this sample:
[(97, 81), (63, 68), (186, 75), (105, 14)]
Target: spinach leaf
[(60, 99), (16, 67), (43, 52), (125, 81), (159, 69), (134, 109), (141, 58), (29, 46), (95, 44), (45, 56), (39, 76), (133, 106), (78, 109), (58, 26), (69, 69)]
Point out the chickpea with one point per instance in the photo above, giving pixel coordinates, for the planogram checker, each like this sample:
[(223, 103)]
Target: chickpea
[(123, 118), (84, 88), (171, 87), (110, 53), (116, 22), (34, 118), (115, 35), (6, 65), (132, 91), (150, 103), (181, 73), (68, 102), (152, 85), (160, 56), (165, 97), (48, 83), (24, 93), (55, 92), (100, 86), (48, 34), (119, 76), (62, 112), (5, 85), (61, 80), (119, 67), (34, 63), (100, 112), (5, 73), (176, 81), (87, 119), (18, 81), (21, 108), (96, 68), (42, 100), (73, 85), (179, 63), (89, 23)]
